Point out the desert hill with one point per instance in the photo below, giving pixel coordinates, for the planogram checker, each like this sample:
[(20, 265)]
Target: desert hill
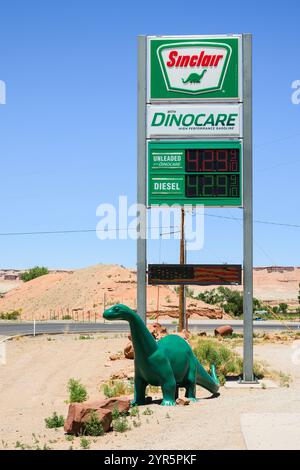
[(272, 284), (84, 293)]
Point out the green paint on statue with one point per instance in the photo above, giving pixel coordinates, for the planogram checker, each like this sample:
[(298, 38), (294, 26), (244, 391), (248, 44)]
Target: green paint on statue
[(169, 362)]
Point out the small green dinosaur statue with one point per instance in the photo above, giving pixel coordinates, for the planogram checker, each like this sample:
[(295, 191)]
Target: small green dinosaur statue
[(194, 77), (169, 362)]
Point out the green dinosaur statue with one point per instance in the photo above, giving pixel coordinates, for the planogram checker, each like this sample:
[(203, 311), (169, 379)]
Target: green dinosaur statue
[(194, 77), (169, 362)]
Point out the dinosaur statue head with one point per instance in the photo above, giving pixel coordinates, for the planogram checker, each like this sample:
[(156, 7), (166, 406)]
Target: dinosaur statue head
[(118, 312)]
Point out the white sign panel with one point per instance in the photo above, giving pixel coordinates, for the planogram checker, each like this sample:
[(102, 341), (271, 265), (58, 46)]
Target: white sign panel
[(194, 120)]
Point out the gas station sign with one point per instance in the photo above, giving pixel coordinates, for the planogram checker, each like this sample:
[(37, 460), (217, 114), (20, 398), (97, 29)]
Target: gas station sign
[(194, 121), (195, 148)]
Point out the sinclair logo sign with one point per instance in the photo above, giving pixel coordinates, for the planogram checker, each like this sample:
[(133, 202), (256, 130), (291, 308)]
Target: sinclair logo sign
[(186, 69)]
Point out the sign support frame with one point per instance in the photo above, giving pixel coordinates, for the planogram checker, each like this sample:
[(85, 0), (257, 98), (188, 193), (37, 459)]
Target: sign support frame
[(248, 376), (141, 180)]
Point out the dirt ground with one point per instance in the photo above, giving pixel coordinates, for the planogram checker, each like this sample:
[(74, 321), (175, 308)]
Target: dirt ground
[(33, 385)]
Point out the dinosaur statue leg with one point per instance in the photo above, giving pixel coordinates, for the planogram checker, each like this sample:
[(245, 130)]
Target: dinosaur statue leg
[(139, 391), (190, 391), (190, 387), (169, 392), (165, 377)]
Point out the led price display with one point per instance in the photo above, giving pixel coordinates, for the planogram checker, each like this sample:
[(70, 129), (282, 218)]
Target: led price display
[(212, 186), (201, 172), (219, 160)]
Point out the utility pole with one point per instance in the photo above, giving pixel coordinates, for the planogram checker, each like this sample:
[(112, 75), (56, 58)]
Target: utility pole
[(182, 287)]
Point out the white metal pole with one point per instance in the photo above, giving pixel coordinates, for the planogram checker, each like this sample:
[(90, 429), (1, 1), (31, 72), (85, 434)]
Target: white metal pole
[(141, 180), (248, 209)]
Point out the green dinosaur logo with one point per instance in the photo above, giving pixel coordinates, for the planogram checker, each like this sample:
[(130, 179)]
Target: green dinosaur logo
[(194, 77)]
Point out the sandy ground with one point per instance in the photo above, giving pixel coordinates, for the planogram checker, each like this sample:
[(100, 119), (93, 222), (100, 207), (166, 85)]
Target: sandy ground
[(33, 385)]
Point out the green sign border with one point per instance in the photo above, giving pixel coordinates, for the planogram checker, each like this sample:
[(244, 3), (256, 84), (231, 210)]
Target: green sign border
[(229, 84), (164, 172)]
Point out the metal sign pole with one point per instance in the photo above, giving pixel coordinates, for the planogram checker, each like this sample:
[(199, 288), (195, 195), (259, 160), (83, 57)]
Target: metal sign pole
[(247, 212), (141, 180)]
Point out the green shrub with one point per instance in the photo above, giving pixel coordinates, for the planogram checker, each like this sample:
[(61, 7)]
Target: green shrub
[(189, 292), (13, 315), (54, 421), (84, 443), (67, 317), (93, 427), (33, 273), (136, 424), (230, 300), (226, 361), (148, 412), (210, 296), (116, 388), (116, 414), (77, 391), (135, 411), (120, 425), (283, 308)]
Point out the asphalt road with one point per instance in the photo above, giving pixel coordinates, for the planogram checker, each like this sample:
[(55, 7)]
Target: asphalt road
[(26, 328)]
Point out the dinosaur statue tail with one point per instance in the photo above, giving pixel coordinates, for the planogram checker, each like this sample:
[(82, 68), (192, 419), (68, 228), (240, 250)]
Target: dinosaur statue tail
[(208, 381), (184, 81)]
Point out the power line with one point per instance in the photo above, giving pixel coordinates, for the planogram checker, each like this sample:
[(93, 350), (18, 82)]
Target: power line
[(88, 230), (94, 230), (279, 139), (266, 222)]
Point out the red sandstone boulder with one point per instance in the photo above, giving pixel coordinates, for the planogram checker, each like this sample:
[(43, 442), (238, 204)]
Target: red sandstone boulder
[(129, 351), (183, 401), (122, 404), (80, 413), (115, 357), (157, 330), (225, 330), (201, 333)]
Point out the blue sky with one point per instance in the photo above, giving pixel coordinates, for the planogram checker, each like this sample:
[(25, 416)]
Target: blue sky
[(68, 130)]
